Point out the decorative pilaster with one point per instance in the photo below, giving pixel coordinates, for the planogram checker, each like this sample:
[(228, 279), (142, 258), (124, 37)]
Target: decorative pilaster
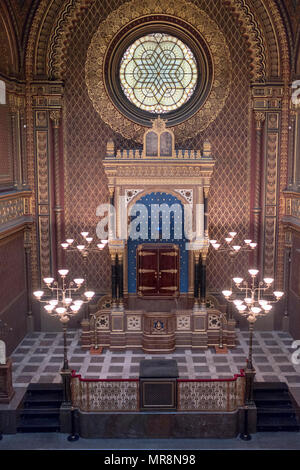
[(206, 191), (120, 280), (259, 118), (27, 248), (112, 222), (295, 117), (55, 117), (114, 268), (203, 280), (196, 280)]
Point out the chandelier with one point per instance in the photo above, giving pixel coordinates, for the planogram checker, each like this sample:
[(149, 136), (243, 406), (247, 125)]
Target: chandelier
[(256, 302), (231, 248), (62, 304), (253, 305), (65, 302), (84, 248)]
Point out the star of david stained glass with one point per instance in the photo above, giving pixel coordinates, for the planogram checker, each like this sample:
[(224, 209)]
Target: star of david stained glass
[(158, 73)]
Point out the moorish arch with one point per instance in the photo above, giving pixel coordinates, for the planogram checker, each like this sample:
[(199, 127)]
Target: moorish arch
[(259, 23)]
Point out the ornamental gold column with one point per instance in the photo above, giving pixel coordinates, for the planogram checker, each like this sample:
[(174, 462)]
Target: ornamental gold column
[(196, 280), (259, 118), (295, 179), (203, 280), (27, 248), (55, 117), (120, 280)]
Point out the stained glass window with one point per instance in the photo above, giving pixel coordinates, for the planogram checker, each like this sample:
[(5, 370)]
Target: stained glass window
[(158, 73)]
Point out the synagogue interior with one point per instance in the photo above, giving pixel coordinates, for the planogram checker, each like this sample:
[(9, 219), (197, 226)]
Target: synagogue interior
[(150, 218)]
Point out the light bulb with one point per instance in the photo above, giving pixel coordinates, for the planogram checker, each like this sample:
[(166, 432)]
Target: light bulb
[(49, 308), (89, 239), (60, 310), (227, 293), (53, 302), (248, 300), (84, 234), (80, 247), (89, 294), (253, 245), (232, 234), (267, 307), (100, 246), (255, 310), (237, 302), (79, 281), (247, 242), (278, 294), (75, 308), (68, 301), (238, 280), (268, 280), (65, 245), (48, 280), (104, 242), (241, 308), (216, 246), (236, 248), (63, 272), (210, 241), (253, 272), (38, 293), (262, 302), (78, 302), (228, 240), (70, 241)]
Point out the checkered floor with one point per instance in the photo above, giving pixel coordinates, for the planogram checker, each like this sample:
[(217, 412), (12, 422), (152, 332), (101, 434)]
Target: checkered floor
[(39, 357)]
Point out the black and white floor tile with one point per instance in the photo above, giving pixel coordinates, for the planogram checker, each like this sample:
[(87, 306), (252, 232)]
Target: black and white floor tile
[(39, 358)]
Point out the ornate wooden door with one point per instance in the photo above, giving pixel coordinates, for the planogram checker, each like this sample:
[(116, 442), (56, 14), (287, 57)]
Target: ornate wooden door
[(158, 270)]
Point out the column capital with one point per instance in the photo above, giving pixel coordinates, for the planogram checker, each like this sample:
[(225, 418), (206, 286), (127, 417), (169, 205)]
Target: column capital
[(259, 118), (55, 116)]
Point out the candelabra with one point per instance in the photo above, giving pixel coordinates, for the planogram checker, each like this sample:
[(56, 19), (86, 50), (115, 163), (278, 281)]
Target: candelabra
[(252, 306), (84, 249), (232, 250), (64, 306)]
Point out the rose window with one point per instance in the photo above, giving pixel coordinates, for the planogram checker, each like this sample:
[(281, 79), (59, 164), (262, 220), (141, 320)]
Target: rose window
[(158, 73)]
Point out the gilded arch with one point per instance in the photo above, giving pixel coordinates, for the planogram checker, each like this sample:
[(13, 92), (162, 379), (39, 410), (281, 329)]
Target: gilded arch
[(53, 35)]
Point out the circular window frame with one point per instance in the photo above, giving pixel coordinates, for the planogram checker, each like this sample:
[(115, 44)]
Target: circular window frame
[(178, 28)]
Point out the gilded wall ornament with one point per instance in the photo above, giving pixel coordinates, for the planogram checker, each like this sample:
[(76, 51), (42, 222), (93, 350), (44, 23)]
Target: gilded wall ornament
[(128, 15)]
